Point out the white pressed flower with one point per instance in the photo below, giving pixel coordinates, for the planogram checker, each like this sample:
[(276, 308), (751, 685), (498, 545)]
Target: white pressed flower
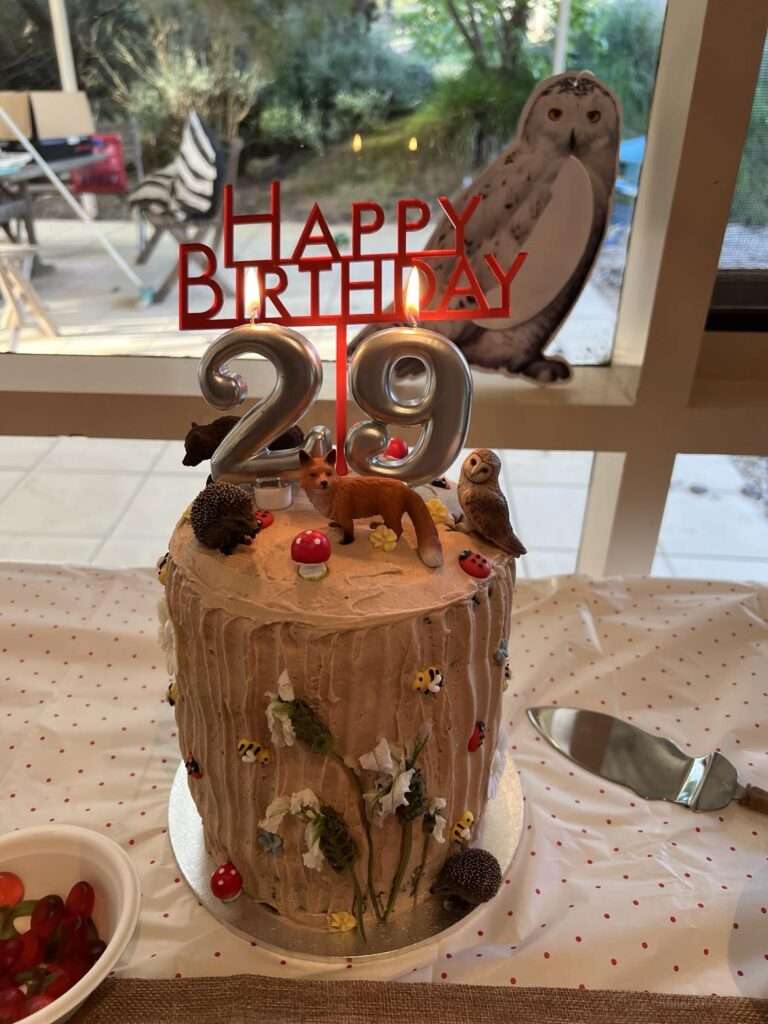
[(379, 759), (278, 714), (314, 857), (285, 686), (437, 804), (276, 811), (393, 780), (303, 799)]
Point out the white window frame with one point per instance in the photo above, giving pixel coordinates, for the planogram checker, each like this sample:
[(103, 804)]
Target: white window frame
[(671, 387)]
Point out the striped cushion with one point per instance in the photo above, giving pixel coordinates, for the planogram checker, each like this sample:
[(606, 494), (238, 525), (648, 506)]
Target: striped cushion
[(189, 187)]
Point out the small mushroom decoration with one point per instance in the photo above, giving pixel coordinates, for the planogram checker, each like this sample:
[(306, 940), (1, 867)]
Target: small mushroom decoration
[(477, 737), (475, 564), (226, 883), (429, 680), (311, 550), (472, 876), (462, 830)]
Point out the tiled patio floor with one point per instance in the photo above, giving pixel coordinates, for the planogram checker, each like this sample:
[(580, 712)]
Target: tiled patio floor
[(114, 503)]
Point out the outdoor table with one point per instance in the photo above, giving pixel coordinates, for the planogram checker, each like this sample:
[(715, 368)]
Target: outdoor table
[(15, 197), (606, 892)]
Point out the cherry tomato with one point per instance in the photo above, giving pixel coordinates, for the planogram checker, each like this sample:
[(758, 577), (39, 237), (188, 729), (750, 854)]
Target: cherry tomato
[(80, 900), (35, 1003), (11, 889), (46, 916), (10, 951), (11, 1003)]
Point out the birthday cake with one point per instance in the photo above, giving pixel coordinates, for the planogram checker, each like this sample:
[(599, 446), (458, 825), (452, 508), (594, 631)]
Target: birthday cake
[(338, 704)]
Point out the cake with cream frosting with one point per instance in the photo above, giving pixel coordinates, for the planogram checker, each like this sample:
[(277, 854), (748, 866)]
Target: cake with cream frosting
[(340, 729)]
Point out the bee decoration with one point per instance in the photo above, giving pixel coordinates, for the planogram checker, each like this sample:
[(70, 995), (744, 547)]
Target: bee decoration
[(462, 830), (172, 693), (193, 768), (429, 680), (252, 752)]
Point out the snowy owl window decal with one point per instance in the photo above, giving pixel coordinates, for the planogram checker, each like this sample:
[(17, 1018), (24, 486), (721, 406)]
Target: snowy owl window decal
[(549, 193)]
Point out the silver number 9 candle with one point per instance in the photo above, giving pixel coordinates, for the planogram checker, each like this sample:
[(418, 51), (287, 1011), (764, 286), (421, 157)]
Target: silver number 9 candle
[(242, 456), (442, 410)]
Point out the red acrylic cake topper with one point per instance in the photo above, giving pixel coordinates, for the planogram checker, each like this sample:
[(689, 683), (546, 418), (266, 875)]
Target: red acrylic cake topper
[(316, 252)]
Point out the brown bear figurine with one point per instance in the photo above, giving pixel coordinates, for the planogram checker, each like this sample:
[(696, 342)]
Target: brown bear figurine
[(203, 439)]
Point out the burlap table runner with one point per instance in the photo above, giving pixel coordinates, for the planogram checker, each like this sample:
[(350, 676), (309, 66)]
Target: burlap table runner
[(249, 998)]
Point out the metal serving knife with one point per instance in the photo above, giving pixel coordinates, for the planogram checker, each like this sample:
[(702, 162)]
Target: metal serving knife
[(651, 766)]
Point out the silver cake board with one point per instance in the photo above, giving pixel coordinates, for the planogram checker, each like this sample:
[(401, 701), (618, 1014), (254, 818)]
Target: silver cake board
[(501, 832)]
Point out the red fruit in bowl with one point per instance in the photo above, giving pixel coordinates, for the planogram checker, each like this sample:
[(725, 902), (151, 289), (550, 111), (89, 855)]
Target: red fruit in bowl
[(73, 938), (10, 951), (32, 947), (58, 981), (226, 883), (47, 916), (475, 564), (95, 949), (11, 1004), (11, 889), (80, 900), (396, 449), (35, 1003)]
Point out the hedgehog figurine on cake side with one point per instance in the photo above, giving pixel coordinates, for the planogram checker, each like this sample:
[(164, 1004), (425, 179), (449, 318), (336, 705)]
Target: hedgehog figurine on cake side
[(222, 517)]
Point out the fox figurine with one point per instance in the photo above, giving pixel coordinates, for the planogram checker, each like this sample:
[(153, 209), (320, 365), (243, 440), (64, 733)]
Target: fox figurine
[(342, 499)]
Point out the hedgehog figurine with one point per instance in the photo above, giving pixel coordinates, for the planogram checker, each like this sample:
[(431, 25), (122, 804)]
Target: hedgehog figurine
[(222, 517), (472, 876)]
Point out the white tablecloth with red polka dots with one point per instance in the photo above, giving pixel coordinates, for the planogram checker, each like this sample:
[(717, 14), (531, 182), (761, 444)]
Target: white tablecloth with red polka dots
[(606, 891)]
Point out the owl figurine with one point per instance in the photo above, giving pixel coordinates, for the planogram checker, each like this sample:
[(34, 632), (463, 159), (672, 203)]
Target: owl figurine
[(570, 117), (484, 507)]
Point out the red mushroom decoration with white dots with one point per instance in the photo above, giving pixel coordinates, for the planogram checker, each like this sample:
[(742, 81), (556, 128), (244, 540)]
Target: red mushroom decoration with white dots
[(311, 550), (396, 449), (226, 883)]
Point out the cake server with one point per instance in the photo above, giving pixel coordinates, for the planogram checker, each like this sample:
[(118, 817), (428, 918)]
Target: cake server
[(651, 766)]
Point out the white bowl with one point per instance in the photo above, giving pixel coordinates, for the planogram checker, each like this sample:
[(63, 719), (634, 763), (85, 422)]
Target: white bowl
[(50, 860)]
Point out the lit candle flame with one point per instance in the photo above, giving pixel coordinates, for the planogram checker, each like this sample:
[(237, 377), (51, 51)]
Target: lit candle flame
[(252, 293), (413, 144), (357, 142), (412, 297)]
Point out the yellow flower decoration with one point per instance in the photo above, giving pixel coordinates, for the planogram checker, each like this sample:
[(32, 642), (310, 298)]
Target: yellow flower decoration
[(383, 539), (439, 512), (341, 921)]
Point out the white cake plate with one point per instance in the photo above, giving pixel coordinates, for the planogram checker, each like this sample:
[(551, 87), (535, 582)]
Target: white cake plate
[(500, 833)]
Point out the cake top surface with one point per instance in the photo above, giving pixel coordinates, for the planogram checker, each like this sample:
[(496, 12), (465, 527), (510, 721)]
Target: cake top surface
[(365, 585)]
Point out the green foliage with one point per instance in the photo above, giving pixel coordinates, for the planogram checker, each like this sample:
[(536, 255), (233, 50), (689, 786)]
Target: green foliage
[(750, 201), (340, 80), (618, 40)]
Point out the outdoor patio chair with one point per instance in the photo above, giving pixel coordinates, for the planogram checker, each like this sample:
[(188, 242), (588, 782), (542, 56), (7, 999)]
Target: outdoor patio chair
[(18, 294), (184, 198)]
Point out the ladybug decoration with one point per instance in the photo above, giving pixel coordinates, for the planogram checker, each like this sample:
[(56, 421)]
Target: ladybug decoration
[(263, 517), (475, 564), (226, 883), (193, 768), (477, 737)]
